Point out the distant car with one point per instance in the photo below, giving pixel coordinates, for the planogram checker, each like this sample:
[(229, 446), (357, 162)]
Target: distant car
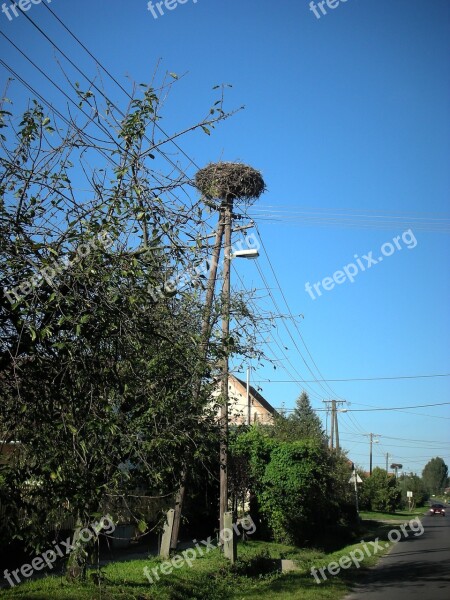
[(437, 509)]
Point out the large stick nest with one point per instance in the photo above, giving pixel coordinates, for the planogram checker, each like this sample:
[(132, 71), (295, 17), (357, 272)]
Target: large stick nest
[(229, 181)]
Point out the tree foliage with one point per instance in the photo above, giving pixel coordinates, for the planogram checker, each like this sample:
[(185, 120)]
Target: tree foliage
[(97, 370), (412, 483), (300, 487), (302, 424), (435, 476), (380, 492)]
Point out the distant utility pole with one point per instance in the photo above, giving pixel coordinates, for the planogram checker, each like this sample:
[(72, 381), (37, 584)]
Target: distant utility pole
[(387, 462), (371, 441), (334, 434)]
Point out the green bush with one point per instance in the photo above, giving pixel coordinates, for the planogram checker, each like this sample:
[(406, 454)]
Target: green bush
[(381, 492), (293, 485)]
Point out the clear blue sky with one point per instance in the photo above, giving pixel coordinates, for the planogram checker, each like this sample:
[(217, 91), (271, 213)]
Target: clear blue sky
[(349, 111)]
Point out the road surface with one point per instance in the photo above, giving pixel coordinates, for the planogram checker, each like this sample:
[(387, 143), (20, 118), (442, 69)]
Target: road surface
[(416, 568)]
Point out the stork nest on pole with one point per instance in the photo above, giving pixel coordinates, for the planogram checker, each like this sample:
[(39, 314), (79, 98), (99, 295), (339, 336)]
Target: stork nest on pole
[(229, 181)]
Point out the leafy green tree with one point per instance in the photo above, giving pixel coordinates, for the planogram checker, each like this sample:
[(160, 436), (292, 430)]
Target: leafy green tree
[(434, 476), (99, 351), (381, 491), (412, 483)]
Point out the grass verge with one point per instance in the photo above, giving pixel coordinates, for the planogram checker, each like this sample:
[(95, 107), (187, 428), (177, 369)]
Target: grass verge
[(211, 577), (397, 516)]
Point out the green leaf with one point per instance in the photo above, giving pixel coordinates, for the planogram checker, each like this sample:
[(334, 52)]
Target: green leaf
[(142, 526)]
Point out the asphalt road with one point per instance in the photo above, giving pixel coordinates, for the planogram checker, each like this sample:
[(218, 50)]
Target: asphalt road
[(416, 568)]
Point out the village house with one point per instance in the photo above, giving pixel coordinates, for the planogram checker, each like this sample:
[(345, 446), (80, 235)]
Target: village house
[(244, 409)]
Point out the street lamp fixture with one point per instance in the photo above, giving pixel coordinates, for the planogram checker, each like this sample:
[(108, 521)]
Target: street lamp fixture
[(251, 253)]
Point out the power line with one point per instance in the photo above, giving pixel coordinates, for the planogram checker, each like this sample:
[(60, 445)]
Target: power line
[(388, 437), (290, 314), (361, 378), (42, 32), (99, 125), (287, 329), (355, 423), (191, 160), (71, 124), (287, 359), (168, 191), (423, 447), (396, 408), (350, 410), (55, 111), (351, 218), (365, 211), (403, 411)]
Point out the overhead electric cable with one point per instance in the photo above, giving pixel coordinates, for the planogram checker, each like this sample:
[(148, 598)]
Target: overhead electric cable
[(363, 378), (155, 146), (191, 160)]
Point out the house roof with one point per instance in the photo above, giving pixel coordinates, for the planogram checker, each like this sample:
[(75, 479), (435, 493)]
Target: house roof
[(257, 396)]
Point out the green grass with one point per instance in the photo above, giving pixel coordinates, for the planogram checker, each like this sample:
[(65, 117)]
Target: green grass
[(402, 516), (211, 577)]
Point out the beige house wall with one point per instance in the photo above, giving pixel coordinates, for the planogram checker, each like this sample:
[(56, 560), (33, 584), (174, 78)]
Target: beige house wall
[(238, 407)]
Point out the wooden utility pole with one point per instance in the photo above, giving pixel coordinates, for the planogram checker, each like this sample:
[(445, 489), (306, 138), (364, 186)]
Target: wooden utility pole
[(333, 410), (227, 219), (227, 181), (334, 434), (204, 343), (204, 340), (371, 436), (336, 428), (249, 406)]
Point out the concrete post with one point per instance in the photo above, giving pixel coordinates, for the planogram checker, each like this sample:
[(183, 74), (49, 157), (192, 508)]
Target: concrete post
[(228, 537), (167, 535)]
